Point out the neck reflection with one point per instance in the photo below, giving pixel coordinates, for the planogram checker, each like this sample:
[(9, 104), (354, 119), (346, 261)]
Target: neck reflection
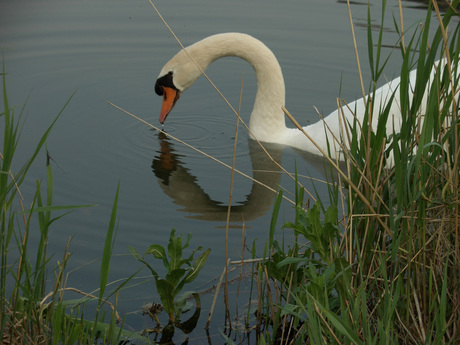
[(181, 186)]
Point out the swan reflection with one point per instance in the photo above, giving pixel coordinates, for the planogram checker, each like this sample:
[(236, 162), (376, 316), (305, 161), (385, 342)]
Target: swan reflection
[(180, 185)]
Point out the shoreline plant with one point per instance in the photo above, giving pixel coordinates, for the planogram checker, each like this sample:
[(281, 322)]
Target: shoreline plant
[(34, 310), (388, 271), (180, 271)]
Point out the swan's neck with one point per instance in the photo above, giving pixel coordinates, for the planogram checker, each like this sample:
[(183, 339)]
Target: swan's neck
[(267, 119)]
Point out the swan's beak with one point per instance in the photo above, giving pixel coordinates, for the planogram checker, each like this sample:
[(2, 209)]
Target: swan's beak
[(170, 97)]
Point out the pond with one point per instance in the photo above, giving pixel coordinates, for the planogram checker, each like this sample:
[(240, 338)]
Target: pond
[(104, 50)]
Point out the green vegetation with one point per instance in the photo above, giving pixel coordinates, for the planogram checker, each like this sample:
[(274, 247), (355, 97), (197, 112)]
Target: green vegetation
[(380, 265), (388, 270), (172, 284), (32, 312)]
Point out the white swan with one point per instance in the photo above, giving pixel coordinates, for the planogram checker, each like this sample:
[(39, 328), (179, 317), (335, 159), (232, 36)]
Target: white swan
[(267, 122)]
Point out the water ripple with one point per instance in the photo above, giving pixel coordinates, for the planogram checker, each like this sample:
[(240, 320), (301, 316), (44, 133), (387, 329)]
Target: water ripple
[(211, 134)]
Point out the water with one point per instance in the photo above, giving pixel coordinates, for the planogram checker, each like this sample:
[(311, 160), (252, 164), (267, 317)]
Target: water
[(114, 50)]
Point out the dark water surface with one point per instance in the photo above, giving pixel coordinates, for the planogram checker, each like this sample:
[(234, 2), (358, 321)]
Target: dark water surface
[(114, 50)]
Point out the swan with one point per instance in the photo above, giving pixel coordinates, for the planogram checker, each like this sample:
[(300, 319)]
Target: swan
[(267, 121)]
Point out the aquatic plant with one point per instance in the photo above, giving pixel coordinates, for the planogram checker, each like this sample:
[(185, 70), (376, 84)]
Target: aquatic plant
[(180, 271)]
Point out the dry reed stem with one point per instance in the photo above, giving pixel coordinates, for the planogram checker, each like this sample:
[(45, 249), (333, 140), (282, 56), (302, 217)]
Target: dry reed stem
[(269, 293), (229, 208), (419, 312), (259, 301), (403, 325), (243, 246), (17, 331), (356, 53), (43, 306), (370, 114), (326, 324), (449, 68), (285, 320), (247, 261), (401, 23), (60, 275), (453, 175), (211, 310)]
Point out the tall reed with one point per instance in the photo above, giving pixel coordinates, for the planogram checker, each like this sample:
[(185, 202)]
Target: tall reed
[(388, 272)]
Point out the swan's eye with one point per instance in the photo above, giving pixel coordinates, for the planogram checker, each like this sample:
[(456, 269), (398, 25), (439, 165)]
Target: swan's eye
[(167, 81)]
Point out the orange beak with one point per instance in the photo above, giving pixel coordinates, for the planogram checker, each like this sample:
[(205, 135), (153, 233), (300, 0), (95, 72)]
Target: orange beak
[(170, 97)]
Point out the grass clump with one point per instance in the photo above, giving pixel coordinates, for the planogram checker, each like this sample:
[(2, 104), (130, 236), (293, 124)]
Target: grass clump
[(33, 312), (388, 271)]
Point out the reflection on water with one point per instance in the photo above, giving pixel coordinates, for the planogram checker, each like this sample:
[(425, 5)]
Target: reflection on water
[(167, 332), (180, 185)]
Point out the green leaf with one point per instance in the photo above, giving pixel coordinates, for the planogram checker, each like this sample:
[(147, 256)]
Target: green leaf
[(276, 209), (339, 323), (181, 301), (108, 246), (175, 250), (133, 251), (313, 218), (331, 214), (175, 276), (156, 250), (165, 290), (159, 253), (187, 242), (291, 260), (137, 256), (197, 266)]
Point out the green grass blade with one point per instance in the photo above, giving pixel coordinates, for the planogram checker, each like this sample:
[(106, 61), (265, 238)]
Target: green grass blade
[(274, 219), (108, 246)]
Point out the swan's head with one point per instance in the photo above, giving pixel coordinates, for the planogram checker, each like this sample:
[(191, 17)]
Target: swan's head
[(165, 87), (175, 77)]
